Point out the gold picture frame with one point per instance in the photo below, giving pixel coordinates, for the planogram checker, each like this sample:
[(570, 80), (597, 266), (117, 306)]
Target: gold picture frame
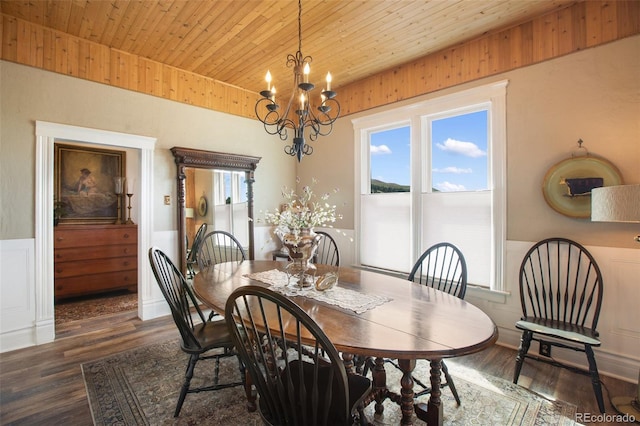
[(84, 183), (586, 171)]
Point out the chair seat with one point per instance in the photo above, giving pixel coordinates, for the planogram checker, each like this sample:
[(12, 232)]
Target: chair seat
[(560, 330), (211, 334)]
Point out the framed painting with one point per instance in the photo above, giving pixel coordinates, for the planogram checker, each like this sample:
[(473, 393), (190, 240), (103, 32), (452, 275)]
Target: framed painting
[(84, 183)]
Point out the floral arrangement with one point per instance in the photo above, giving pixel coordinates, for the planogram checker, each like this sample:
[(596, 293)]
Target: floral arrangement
[(304, 211)]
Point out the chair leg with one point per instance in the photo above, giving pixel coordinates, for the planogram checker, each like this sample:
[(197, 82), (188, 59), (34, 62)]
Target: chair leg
[(525, 342), (595, 377), (367, 364), (188, 375), (449, 380)]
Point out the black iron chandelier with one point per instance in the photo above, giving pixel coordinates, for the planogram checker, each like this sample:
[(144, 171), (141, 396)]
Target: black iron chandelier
[(298, 116)]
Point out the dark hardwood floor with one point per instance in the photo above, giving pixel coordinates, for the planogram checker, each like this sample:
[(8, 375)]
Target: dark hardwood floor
[(43, 384)]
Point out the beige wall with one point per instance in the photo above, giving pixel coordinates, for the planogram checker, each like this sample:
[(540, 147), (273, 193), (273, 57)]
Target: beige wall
[(593, 95), (28, 94)]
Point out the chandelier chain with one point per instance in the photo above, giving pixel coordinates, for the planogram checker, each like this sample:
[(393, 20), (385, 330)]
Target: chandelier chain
[(299, 25)]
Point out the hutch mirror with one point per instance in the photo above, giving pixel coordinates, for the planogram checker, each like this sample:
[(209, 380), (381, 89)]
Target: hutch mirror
[(217, 189)]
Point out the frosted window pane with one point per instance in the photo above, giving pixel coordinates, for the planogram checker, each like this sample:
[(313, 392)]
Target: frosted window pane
[(463, 219), (386, 231)]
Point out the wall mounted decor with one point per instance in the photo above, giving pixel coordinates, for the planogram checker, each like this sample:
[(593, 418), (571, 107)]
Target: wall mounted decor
[(84, 181), (567, 185), (203, 206)]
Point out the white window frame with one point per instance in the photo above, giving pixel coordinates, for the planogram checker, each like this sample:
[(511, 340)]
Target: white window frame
[(493, 96)]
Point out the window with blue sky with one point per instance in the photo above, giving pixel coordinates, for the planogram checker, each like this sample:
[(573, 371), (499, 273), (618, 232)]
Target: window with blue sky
[(391, 159), (434, 171), (459, 152)]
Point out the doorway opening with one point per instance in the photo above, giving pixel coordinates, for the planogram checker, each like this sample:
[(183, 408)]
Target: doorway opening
[(47, 135)]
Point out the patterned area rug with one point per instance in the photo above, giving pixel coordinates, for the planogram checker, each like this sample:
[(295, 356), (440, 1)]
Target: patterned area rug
[(80, 308), (140, 387)]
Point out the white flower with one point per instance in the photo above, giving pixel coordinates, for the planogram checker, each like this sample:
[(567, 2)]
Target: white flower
[(303, 211)]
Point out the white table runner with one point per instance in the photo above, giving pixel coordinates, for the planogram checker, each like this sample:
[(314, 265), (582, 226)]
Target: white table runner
[(342, 297)]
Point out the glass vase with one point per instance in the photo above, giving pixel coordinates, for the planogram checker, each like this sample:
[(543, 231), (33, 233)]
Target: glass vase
[(302, 246)]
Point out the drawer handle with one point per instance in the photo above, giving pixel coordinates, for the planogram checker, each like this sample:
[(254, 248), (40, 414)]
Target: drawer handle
[(59, 239), (126, 235), (125, 263)]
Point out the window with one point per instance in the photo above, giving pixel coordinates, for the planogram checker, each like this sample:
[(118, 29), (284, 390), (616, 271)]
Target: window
[(390, 160), (431, 172), (231, 204), (459, 160)]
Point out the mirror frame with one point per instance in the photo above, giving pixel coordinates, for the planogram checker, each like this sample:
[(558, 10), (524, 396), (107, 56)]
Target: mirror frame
[(202, 159)]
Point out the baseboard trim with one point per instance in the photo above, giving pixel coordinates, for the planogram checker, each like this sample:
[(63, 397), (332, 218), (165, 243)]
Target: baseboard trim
[(153, 309)]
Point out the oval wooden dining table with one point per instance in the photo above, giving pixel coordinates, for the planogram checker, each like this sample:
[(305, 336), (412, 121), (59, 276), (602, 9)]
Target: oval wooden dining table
[(416, 322)]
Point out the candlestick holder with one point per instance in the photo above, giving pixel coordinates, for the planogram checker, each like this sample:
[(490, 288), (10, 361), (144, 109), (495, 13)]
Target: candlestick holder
[(119, 186), (129, 221), (118, 220)]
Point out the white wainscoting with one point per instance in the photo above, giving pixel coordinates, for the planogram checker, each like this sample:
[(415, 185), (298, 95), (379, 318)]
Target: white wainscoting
[(619, 324), (17, 294), (19, 327)]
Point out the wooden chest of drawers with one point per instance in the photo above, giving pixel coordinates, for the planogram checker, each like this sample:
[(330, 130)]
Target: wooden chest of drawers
[(95, 258)]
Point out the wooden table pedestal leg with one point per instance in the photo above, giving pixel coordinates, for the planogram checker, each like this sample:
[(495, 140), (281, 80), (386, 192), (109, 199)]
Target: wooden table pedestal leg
[(432, 411), (406, 383), (379, 383), (347, 360)]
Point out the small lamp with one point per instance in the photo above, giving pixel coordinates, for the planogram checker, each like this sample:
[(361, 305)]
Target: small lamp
[(620, 203)]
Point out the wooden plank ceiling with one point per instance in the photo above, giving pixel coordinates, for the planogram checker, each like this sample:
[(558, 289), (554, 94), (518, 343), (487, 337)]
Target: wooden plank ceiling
[(236, 41)]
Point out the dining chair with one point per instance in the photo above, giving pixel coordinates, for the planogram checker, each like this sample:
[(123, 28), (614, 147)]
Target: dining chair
[(443, 267), (327, 252), (199, 337), (298, 373), (561, 294), (193, 251), (219, 247)]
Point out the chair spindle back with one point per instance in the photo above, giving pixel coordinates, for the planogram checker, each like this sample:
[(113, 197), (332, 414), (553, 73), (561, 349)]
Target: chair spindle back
[(561, 281), (178, 295), (442, 266), (298, 373), (219, 247)]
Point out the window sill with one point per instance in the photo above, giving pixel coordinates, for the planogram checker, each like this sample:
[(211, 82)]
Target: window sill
[(484, 293), (476, 291)]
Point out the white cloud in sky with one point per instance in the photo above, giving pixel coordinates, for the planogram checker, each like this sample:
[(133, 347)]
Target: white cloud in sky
[(380, 149), (449, 187), (453, 169), (468, 149)]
